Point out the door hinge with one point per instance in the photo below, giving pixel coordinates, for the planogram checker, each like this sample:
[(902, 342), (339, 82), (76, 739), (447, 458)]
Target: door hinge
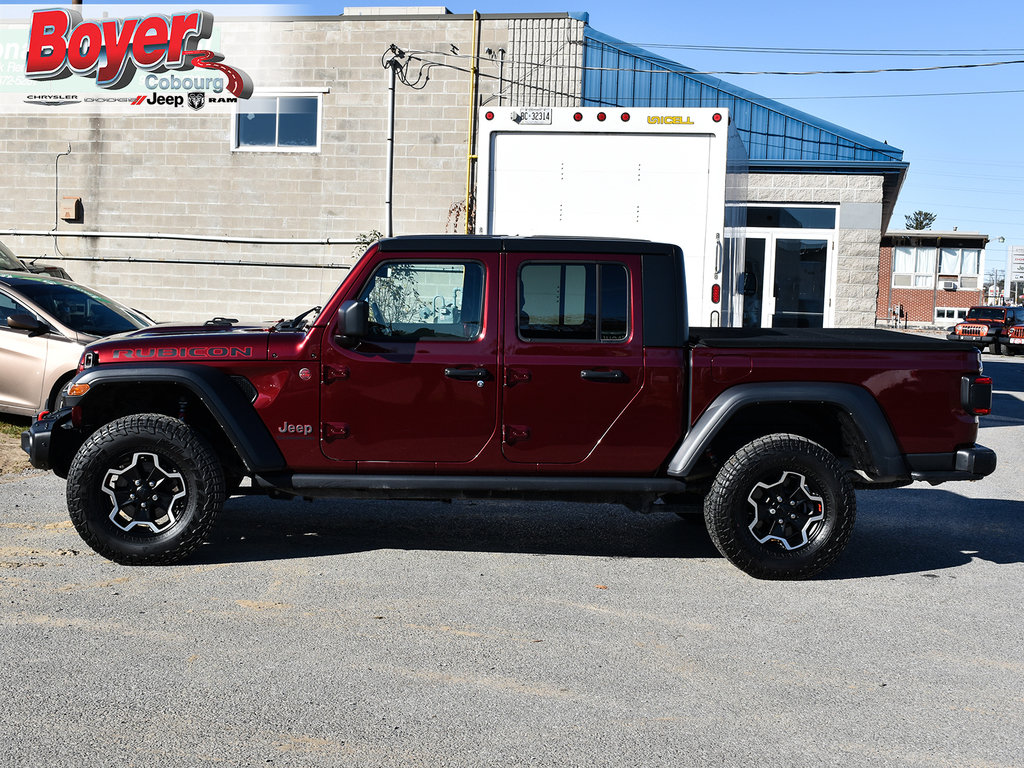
[(515, 376), (335, 373), (514, 434), (333, 431)]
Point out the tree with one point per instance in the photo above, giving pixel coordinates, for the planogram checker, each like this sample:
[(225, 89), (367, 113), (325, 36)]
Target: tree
[(920, 220)]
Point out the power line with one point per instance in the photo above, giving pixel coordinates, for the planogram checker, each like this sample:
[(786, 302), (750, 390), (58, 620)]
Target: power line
[(897, 95), (948, 52), (661, 70), (880, 70)]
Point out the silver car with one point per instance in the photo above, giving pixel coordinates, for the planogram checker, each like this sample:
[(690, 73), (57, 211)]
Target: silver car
[(11, 263), (45, 324)]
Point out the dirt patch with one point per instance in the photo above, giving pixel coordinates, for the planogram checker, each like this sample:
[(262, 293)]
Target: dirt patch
[(13, 460)]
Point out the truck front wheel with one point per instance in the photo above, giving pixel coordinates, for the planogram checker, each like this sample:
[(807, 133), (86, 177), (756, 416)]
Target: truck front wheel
[(781, 507), (144, 489)]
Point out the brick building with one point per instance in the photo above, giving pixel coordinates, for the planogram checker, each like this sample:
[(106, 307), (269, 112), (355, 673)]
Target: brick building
[(254, 210), (929, 278)]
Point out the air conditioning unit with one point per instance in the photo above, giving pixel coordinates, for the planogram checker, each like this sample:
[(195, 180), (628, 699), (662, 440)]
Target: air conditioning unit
[(949, 285)]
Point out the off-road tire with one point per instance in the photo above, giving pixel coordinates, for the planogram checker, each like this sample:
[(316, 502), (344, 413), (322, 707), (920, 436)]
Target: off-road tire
[(126, 451), (800, 471)]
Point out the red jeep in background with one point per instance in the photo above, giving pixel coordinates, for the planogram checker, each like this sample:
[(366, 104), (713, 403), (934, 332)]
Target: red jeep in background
[(1015, 339), (520, 368), (989, 327)]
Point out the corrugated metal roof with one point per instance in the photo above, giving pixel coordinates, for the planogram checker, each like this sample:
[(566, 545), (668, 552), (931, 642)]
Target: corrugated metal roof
[(617, 73)]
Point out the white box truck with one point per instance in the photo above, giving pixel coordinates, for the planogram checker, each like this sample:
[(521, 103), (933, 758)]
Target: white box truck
[(655, 174)]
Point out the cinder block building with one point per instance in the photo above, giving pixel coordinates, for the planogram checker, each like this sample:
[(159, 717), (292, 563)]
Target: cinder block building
[(256, 209), (928, 278)]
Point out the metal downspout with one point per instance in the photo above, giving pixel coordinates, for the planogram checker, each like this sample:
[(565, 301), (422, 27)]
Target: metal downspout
[(470, 157)]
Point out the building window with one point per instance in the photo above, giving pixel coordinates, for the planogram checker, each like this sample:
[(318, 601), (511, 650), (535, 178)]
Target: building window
[(284, 123), (791, 217), (919, 266), (913, 267), (950, 314), (961, 264)]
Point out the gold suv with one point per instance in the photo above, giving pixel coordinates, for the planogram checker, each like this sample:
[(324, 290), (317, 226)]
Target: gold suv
[(45, 323)]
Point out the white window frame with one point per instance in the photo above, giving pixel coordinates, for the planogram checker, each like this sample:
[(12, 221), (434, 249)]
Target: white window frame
[(317, 93), (900, 278), (951, 314)]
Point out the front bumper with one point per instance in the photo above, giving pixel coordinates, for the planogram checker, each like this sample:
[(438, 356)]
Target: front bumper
[(971, 462), (37, 440), (978, 341)]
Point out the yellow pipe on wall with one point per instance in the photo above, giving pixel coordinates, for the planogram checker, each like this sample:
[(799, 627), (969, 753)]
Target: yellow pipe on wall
[(470, 157)]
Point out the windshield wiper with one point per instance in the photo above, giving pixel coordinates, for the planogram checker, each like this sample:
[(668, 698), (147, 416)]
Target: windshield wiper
[(297, 323)]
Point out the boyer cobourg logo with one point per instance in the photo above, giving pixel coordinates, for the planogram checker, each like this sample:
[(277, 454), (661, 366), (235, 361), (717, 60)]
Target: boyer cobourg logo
[(61, 44)]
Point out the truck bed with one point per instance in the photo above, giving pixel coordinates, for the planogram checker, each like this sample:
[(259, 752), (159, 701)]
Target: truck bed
[(819, 338)]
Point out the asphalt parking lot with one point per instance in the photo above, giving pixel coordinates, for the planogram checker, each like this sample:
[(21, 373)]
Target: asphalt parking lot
[(487, 634)]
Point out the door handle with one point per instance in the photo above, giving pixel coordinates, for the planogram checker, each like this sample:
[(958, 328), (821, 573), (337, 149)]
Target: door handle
[(467, 374), (613, 376)]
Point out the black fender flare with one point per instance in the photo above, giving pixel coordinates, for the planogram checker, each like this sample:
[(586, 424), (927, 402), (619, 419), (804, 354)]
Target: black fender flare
[(855, 401), (214, 389)]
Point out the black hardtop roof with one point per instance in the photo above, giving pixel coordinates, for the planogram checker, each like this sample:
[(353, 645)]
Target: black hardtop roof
[(467, 243)]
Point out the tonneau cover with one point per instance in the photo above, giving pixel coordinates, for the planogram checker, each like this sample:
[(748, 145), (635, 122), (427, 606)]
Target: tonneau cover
[(820, 338)]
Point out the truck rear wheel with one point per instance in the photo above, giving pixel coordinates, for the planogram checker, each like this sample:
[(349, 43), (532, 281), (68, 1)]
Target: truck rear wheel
[(781, 507), (144, 489)]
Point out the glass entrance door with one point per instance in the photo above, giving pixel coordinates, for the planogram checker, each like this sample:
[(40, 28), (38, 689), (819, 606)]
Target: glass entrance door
[(786, 281), (800, 283)]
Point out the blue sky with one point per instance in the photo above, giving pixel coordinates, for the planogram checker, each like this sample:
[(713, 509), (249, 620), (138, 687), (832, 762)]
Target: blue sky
[(960, 129)]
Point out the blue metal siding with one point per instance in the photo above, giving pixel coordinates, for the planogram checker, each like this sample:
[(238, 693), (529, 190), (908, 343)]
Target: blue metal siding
[(621, 75)]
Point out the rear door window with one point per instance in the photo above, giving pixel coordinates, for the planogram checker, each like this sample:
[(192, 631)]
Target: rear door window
[(574, 301)]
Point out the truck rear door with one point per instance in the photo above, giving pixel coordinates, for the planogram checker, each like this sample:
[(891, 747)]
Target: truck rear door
[(573, 353)]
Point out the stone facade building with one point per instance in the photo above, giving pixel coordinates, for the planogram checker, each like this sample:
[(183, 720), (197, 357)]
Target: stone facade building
[(255, 210)]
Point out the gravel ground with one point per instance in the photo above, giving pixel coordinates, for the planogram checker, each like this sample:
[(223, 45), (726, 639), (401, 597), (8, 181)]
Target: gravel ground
[(501, 634)]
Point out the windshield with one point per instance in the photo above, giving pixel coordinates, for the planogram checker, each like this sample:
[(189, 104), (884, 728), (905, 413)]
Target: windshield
[(985, 313), (81, 310), (8, 261)]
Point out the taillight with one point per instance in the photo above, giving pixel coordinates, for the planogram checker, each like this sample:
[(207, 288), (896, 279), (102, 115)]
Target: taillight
[(976, 394), (716, 293)]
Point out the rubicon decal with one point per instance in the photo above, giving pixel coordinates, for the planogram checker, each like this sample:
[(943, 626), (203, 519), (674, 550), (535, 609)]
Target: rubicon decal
[(164, 353), (60, 44)]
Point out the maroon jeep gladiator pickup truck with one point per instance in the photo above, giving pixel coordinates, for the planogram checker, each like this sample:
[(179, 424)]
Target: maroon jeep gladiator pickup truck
[(525, 368)]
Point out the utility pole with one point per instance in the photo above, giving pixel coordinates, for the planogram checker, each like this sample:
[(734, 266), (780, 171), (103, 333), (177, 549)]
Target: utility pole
[(392, 65)]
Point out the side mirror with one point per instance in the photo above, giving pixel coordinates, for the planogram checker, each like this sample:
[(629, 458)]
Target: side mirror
[(26, 322), (353, 320)]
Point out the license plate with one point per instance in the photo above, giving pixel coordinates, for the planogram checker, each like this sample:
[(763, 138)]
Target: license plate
[(534, 117), (1016, 341)]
